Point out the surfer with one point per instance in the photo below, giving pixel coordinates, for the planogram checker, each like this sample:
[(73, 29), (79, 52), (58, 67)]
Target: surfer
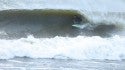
[(77, 19)]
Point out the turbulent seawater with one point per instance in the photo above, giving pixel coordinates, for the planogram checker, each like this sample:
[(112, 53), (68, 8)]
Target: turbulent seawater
[(62, 35)]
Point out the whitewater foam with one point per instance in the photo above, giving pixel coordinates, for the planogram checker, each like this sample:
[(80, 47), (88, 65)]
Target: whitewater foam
[(64, 48)]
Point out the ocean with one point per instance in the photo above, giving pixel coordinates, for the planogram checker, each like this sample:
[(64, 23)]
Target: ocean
[(62, 35)]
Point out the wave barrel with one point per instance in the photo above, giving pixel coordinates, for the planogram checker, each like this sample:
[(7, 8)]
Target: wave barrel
[(40, 23)]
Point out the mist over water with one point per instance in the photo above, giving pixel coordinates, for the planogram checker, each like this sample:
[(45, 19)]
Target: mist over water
[(33, 29), (89, 5)]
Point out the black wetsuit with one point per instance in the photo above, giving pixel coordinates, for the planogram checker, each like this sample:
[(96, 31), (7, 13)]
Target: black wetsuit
[(77, 19)]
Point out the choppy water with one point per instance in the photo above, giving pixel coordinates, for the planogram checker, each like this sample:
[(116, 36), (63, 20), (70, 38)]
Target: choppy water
[(59, 64), (63, 34)]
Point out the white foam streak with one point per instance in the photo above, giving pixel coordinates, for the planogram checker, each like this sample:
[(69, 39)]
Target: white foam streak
[(63, 47)]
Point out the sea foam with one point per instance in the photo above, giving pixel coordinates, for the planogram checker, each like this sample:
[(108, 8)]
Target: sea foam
[(79, 48)]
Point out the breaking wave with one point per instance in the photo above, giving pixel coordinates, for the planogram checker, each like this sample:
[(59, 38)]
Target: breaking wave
[(80, 48), (62, 29)]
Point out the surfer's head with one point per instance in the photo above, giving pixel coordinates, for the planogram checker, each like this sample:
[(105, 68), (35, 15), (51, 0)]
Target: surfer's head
[(77, 19)]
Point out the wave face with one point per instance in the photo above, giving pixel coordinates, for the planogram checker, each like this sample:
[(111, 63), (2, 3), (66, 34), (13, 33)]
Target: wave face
[(62, 29), (40, 23)]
